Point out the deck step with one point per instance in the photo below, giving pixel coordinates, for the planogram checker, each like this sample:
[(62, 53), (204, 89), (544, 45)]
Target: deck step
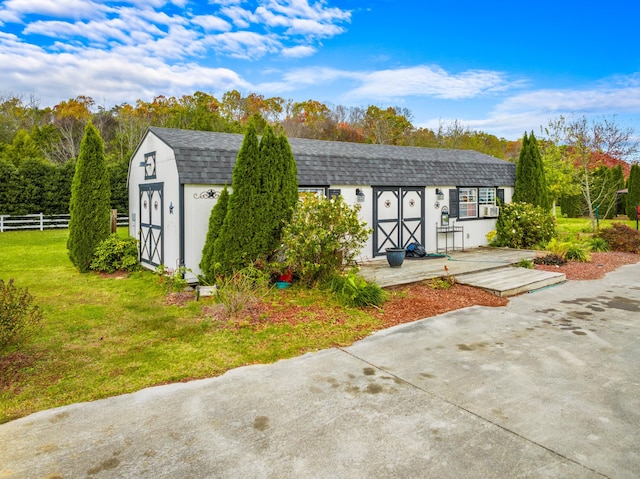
[(509, 281)]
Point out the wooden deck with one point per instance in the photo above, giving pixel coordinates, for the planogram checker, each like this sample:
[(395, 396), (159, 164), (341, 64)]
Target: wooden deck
[(487, 268)]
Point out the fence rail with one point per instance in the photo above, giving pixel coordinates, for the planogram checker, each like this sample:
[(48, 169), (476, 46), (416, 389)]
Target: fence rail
[(41, 222)]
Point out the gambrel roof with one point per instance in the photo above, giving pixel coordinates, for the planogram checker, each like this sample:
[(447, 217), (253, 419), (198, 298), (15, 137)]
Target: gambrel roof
[(204, 157)]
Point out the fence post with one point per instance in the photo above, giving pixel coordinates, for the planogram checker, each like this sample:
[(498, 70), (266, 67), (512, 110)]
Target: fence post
[(41, 222), (114, 221), (1, 223)]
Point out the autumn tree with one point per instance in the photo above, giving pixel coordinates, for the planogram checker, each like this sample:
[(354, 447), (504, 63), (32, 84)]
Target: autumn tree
[(560, 174), (385, 127), (588, 140), (89, 209), (70, 118), (633, 192), (531, 186)]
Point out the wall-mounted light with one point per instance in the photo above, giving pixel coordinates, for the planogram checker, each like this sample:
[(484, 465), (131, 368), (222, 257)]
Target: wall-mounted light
[(439, 194), (359, 195)]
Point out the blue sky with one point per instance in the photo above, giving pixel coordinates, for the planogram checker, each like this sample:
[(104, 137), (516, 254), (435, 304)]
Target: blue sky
[(503, 67)]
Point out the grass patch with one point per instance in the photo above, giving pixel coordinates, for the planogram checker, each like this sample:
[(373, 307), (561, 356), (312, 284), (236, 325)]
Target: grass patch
[(578, 229), (109, 335)]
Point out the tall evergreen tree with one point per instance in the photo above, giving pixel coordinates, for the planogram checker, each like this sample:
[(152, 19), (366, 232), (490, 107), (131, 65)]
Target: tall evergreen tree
[(234, 248), (289, 186), (216, 219), (89, 207), (633, 195), (531, 186)]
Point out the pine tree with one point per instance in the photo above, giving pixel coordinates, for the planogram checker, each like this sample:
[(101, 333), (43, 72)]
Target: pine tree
[(89, 207), (633, 195), (216, 219), (530, 184)]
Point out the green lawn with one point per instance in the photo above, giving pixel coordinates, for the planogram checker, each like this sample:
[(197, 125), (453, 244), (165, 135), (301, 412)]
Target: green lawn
[(580, 228), (107, 336)]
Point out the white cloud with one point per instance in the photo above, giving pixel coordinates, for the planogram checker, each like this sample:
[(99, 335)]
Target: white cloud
[(246, 45), (57, 9), (300, 51), (211, 23), (430, 81), (105, 76)]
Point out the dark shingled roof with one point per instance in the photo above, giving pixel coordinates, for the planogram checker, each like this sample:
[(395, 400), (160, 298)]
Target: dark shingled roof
[(205, 157)]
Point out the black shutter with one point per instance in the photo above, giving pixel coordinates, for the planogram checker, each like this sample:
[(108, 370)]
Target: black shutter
[(500, 196), (454, 201)]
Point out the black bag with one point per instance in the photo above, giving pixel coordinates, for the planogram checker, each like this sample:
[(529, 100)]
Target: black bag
[(416, 250)]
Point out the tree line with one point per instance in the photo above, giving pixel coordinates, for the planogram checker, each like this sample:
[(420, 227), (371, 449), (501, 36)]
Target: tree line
[(40, 145)]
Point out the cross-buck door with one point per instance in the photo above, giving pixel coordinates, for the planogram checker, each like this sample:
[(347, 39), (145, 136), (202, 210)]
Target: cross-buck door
[(151, 231), (398, 217)]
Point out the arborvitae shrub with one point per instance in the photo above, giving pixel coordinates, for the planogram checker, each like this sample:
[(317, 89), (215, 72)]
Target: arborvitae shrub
[(90, 206)]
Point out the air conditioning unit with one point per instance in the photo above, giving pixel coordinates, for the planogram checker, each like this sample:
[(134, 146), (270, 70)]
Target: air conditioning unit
[(489, 211)]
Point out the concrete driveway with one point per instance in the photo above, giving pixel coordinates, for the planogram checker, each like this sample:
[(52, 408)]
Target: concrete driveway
[(547, 387)]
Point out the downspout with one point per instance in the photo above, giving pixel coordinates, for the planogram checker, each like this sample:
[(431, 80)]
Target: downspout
[(181, 223)]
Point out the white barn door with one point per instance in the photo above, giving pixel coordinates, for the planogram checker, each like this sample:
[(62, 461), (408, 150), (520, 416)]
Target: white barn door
[(151, 232), (398, 217)]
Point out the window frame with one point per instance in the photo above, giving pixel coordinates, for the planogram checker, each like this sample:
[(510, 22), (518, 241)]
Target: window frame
[(471, 198), (467, 200)]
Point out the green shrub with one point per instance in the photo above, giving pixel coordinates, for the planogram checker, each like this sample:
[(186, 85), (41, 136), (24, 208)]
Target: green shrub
[(116, 254), (240, 290), (598, 244), (19, 317), (620, 237), (525, 263), (558, 248), (578, 252), (353, 290), (521, 225), (323, 237)]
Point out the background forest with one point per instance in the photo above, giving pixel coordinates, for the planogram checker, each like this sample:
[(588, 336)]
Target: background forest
[(39, 145)]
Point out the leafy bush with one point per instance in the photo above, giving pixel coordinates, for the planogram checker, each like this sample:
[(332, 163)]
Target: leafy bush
[(578, 252), (521, 225), (598, 244), (620, 237), (240, 290), (116, 253), (353, 290), (323, 237), (19, 317), (550, 260)]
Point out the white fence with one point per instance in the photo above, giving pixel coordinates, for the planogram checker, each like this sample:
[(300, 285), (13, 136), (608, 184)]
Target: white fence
[(41, 222)]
